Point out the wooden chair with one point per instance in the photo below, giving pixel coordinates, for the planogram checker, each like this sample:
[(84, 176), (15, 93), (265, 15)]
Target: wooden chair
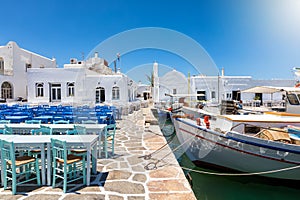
[(61, 122), (43, 130), (33, 121), (3, 121), (108, 139), (89, 121), (66, 166), (7, 130), (14, 167), (77, 130), (79, 151)]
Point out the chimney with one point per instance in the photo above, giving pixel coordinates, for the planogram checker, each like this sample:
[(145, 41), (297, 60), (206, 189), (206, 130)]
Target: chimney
[(96, 54), (223, 72)]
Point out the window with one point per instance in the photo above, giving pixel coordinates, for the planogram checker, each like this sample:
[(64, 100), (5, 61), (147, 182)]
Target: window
[(293, 100), (174, 91), (115, 93), (39, 89), (70, 89), (1, 65), (6, 90), (27, 65), (213, 94), (228, 95)]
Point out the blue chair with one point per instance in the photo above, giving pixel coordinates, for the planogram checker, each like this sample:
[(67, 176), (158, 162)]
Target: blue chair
[(43, 130), (33, 121), (61, 122), (77, 130), (4, 121), (107, 140), (12, 164), (89, 121), (7, 130), (66, 166)]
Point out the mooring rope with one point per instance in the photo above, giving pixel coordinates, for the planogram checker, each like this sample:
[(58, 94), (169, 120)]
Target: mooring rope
[(149, 156), (147, 167)]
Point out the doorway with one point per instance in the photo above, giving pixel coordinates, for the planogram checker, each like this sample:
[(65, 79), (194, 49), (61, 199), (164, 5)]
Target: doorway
[(100, 94), (236, 95), (55, 92)]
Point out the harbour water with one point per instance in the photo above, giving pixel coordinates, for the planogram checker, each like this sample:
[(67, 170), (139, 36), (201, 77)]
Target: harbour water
[(213, 187)]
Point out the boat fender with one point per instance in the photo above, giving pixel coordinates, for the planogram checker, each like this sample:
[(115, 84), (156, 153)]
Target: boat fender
[(198, 120), (206, 121)]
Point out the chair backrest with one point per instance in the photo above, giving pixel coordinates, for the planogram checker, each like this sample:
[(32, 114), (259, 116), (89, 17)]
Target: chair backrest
[(7, 130), (110, 130), (43, 130), (33, 121), (61, 122), (7, 152), (4, 121), (89, 121), (81, 130), (77, 130), (59, 149)]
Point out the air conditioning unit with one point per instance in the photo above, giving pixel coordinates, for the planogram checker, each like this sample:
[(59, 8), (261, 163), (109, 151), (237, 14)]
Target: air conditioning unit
[(73, 61)]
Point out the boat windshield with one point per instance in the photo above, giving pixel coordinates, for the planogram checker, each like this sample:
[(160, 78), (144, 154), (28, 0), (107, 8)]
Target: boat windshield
[(293, 100)]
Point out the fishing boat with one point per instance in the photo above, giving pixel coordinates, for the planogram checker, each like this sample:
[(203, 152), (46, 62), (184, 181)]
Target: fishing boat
[(267, 144)]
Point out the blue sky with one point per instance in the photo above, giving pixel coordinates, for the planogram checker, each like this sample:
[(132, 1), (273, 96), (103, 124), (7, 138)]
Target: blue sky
[(260, 38)]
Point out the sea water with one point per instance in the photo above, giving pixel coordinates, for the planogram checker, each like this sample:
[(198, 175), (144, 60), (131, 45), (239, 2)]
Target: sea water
[(214, 187)]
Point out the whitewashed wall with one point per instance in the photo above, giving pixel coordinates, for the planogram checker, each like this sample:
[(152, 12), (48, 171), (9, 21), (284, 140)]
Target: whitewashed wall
[(85, 85), (172, 80), (15, 60), (227, 84)]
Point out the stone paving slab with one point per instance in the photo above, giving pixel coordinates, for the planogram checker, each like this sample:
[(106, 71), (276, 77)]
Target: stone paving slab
[(123, 175)]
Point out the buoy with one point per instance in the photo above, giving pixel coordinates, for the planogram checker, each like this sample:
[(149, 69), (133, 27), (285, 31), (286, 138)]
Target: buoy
[(206, 121)]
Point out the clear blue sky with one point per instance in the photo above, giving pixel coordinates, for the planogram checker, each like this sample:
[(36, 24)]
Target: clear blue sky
[(260, 38)]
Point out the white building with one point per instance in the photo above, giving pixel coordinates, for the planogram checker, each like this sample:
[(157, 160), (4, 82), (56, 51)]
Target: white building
[(14, 65), (216, 88), (39, 80), (80, 82), (143, 91), (173, 82)]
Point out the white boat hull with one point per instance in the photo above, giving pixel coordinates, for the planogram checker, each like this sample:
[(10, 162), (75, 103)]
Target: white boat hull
[(239, 152)]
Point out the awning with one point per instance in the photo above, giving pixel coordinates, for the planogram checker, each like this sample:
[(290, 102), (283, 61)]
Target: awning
[(270, 89)]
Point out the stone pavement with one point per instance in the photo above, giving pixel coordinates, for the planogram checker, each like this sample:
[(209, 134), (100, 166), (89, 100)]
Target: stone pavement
[(123, 176)]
